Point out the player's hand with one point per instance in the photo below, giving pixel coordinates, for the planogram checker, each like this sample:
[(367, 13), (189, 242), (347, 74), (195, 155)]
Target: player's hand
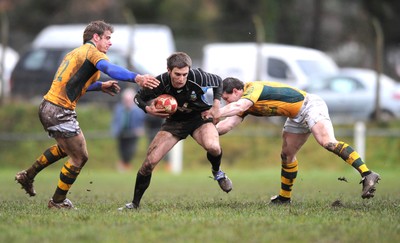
[(160, 112), (213, 114), (147, 81), (110, 87)]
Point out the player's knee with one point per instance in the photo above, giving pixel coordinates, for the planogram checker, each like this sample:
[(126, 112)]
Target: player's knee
[(286, 158), (283, 157), (83, 159), (214, 150), (147, 167), (330, 146)]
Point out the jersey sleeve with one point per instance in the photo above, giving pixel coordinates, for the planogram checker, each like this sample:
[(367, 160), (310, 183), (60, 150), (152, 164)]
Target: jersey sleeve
[(252, 91), (94, 55), (115, 71), (208, 80)]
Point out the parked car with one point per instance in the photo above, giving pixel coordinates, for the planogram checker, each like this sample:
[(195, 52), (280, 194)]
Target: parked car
[(350, 95)]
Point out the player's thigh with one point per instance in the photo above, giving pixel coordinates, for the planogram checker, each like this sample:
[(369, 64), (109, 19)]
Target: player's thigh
[(162, 143), (207, 136), (323, 132)]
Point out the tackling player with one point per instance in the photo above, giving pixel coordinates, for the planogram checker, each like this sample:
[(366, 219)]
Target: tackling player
[(306, 114)]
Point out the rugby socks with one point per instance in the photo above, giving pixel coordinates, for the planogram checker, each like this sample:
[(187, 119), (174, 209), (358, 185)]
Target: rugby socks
[(142, 183), (51, 155), (215, 161), (68, 175), (350, 156), (288, 176)]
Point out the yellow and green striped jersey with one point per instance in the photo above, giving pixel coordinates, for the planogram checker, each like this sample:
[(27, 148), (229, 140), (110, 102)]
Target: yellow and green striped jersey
[(75, 74), (273, 99)]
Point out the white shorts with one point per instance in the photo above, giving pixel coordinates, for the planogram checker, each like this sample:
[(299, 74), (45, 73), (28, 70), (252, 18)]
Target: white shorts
[(314, 109), (58, 121)]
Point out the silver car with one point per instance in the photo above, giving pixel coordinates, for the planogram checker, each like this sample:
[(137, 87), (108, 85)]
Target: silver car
[(350, 95)]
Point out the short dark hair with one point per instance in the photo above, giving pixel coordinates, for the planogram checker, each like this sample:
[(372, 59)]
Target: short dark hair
[(228, 84), (96, 27), (179, 60)]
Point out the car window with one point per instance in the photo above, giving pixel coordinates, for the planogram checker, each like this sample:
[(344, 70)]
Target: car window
[(35, 60), (42, 60), (277, 68), (344, 85)]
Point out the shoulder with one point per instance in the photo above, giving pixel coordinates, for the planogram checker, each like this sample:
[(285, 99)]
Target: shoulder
[(163, 77), (198, 74), (253, 85), (93, 54)]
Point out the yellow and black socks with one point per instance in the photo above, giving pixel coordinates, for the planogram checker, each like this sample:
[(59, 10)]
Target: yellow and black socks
[(141, 185), (350, 156), (51, 155), (288, 176), (68, 175)]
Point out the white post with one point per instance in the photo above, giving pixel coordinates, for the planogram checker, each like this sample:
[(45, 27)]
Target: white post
[(359, 138), (176, 154)]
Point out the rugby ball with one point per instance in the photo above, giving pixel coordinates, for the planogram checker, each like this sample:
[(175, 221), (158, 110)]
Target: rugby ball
[(166, 102)]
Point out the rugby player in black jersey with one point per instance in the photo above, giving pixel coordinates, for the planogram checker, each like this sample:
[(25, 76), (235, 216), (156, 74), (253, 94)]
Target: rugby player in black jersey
[(188, 86)]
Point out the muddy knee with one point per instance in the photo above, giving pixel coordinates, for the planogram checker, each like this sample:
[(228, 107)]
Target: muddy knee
[(341, 149)]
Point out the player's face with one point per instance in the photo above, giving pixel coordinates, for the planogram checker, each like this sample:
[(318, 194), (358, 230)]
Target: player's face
[(103, 42), (178, 76), (235, 96)]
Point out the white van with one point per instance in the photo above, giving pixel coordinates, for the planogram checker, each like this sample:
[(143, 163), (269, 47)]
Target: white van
[(147, 45), (292, 65)]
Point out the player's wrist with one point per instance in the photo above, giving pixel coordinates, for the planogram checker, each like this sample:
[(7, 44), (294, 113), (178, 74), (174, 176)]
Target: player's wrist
[(139, 80)]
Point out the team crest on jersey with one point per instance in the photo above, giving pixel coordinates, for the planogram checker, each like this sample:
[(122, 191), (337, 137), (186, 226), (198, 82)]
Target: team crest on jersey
[(193, 96), (248, 91)]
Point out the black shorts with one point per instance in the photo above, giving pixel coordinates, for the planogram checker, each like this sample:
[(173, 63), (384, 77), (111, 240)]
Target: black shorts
[(182, 129)]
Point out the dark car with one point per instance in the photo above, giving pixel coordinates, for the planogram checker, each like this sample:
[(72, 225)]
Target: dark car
[(34, 72)]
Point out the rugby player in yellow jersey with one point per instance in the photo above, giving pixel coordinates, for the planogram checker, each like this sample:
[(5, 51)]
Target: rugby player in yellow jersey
[(306, 114), (79, 72)]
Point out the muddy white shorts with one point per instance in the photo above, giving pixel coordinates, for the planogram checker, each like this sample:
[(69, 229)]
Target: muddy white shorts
[(58, 121), (314, 109)]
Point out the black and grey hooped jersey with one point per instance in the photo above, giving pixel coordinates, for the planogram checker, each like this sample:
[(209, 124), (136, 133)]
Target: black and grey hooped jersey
[(191, 98)]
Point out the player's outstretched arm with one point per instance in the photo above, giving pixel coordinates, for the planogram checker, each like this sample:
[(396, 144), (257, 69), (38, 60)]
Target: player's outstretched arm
[(228, 124), (110, 87), (123, 74), (234, 108)]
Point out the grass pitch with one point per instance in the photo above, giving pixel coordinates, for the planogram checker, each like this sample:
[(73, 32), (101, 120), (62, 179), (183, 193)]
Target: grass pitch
[(191, 208)]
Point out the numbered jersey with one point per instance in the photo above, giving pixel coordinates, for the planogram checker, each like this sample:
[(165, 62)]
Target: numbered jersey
[(75, 74)]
